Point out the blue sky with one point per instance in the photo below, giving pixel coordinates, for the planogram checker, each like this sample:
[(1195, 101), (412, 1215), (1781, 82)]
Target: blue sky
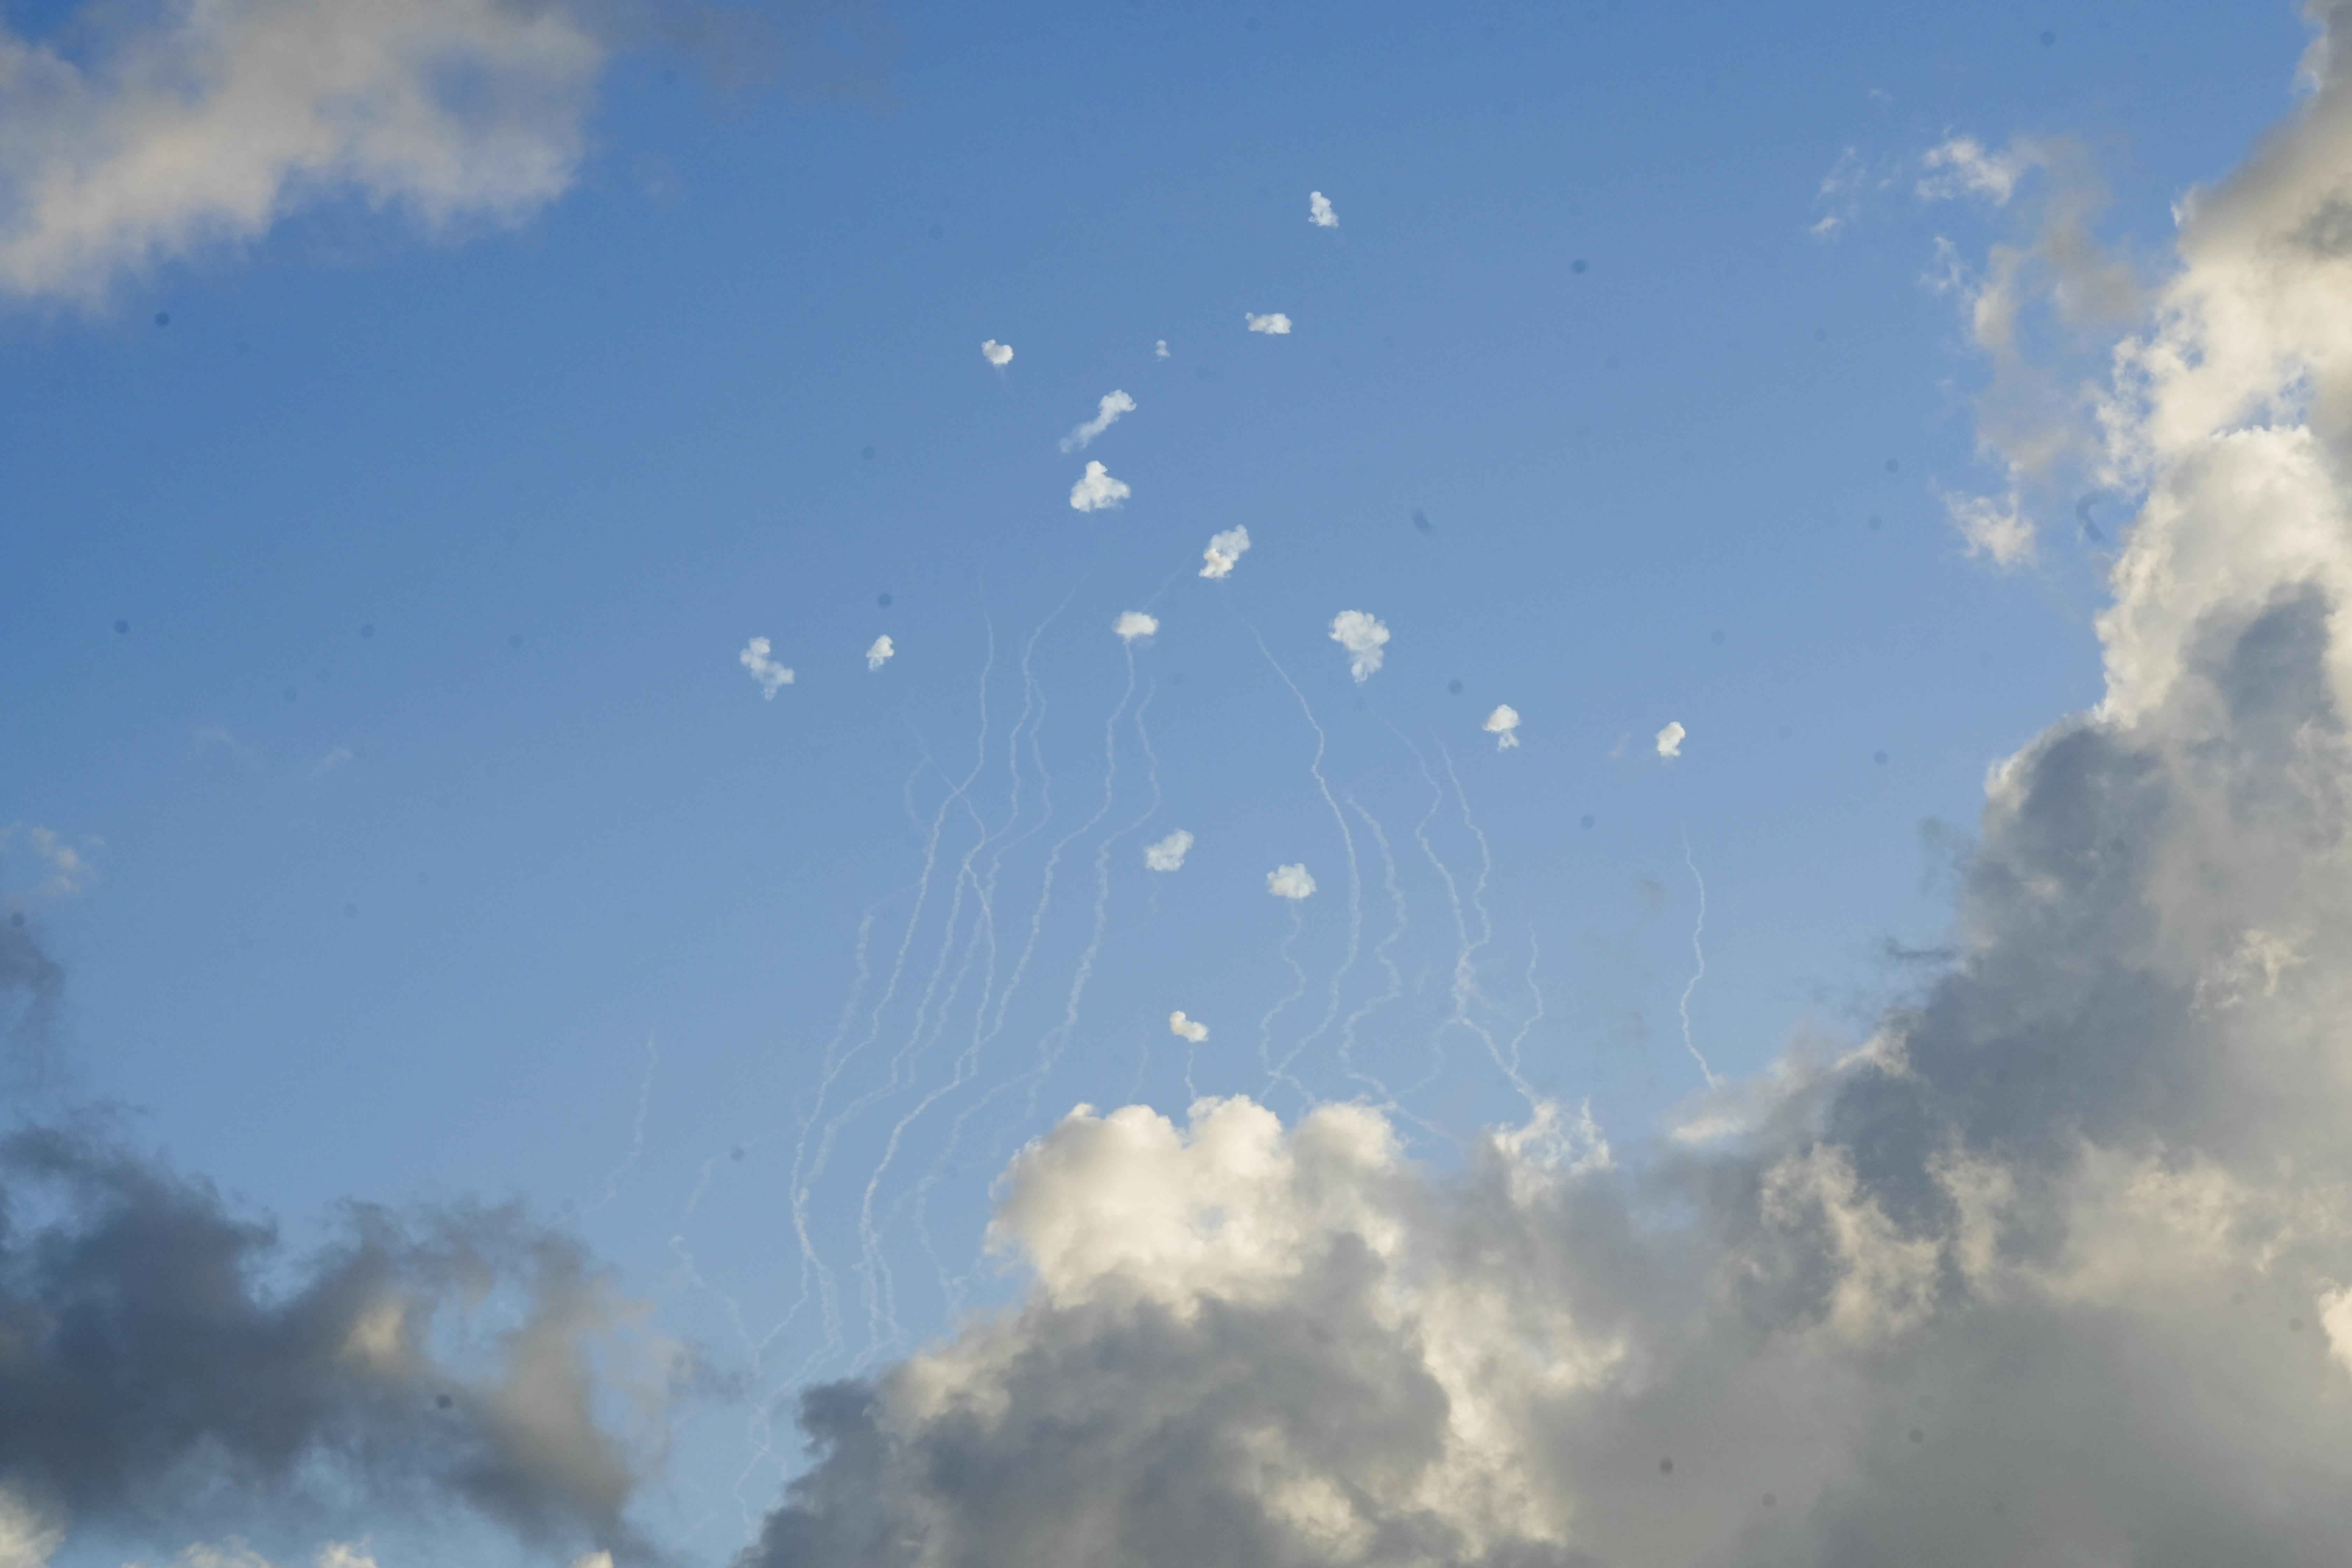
[(376, 570)]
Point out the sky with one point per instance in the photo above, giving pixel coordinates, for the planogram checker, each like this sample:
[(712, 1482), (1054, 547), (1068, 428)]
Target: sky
[(870, 784)]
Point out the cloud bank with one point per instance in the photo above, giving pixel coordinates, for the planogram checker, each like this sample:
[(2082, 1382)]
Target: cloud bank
[(1096, 490), (1168, 855), (1363, 638), (1114, 404), (1224, 552), (771, 676), (1275, 325), (1503, 723), (1290, 883), (203, 124)]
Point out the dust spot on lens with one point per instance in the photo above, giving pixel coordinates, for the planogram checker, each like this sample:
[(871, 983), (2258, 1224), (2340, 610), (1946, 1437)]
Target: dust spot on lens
[(1876, 521), (121, 628), (368, 630), (1665, 1467), (163, 318), (937, 232), (351, 911), (1917, 1436), (1585, 821), (1769, 1499), (1894, 465), (1878, 757), (1454, 687), (883, 600), (443, 1401), (867, 452), (1715, 637), (2294, 1325), (1821, 334), (1420, 520), (515, 640), (290, 694), (2048, 39), (1578, 264), (18, 918)]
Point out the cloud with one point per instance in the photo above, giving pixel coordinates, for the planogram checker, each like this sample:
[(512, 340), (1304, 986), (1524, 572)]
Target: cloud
[(1160, 349), (1096, 490), (235, 1554), (1363, 638), (64, 872), (997, 353), (29, 1534), (1290, 883), (203, 125), (1134, 623), (1168, 855), (1187, 1028), (1319, 211), (1224, 550), (1961, 166), (1114, 404), (2049, 1265), (1670, 740), (171, 1364), (880, 653), (1503, 723), (1275, 325), (770, 675), (1994, 527)]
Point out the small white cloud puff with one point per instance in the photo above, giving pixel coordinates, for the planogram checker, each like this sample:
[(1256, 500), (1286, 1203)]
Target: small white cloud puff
[(1290, 883), (997, 353), (1670, 740), (1168, 855), (880, 654), (1362, 635), (1096, 490), (770, 675), (1503, 723), (1224, 550), (1185, 1028), (1273, 326), (1134, 623), (1319, 211)]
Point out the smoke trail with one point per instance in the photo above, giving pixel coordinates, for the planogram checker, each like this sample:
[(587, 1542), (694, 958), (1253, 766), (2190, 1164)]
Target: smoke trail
[(1276, 1072), (636, 1131), (1700, 972)]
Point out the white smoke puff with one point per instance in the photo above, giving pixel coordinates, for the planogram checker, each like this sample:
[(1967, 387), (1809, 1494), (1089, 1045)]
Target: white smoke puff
[(1224, 550), (1503, 723), (1114, 404), (1362, 637), (1134, 623), (173, 127), (1319, 211), (770, 675), (1168, 855), (1096, 490), (1997, 528), (1160, 349), (1961, 167), (1275, 325), (1290, 883), (1185, 1028), (997, 353), (880, 654), (1670, 740)]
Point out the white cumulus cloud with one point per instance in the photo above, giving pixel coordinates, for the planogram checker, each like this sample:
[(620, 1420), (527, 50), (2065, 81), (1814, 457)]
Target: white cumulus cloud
[(1363, 638), (771, 675), (1275, 325), (1319, 211), (1224, 550), (1134, 623), (1185, 1028), (1096, 490), (1290, 883), (1503, 723), (880, 653), (1114, 404), (1670, 740), (203, 124), (1993, 526), (997, 353), (1168, 855)]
